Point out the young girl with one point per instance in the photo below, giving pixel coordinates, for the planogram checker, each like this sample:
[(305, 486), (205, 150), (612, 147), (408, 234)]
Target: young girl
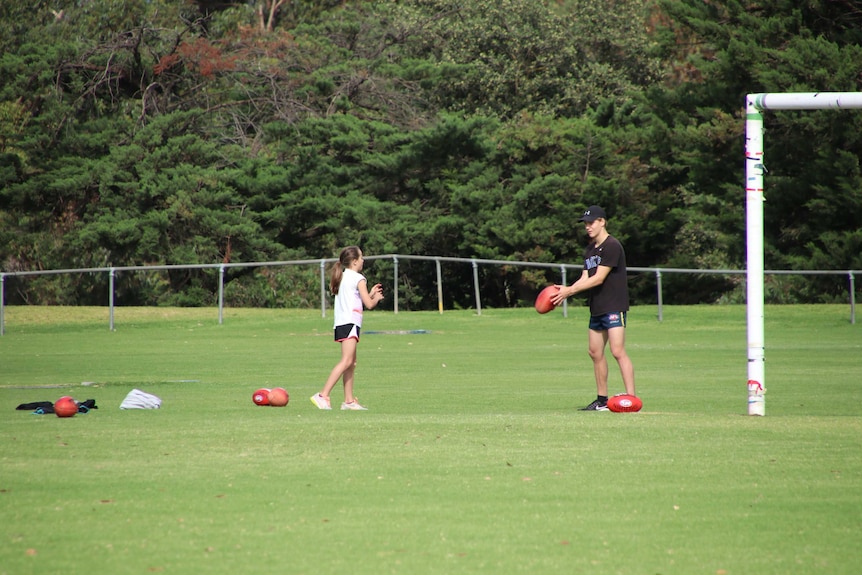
[(350, 289)]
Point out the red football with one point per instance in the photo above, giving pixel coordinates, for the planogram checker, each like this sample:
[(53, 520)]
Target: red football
[(261, 396), (543, 301), (624, 402), (65, 407), (278, 397)]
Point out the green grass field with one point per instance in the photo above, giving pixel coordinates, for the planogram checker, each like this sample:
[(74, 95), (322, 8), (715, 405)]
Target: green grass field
[(472, 458)]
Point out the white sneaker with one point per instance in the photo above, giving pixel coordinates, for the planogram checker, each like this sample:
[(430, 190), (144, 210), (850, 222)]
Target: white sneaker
[(353, 406), (320, 401)]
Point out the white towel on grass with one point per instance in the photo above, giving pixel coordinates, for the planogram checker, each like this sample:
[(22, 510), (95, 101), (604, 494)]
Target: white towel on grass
[(137, 399)]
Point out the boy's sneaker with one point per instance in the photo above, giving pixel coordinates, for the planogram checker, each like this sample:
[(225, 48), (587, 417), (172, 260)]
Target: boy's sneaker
[(353, 406), (320, 401), (596, 406)]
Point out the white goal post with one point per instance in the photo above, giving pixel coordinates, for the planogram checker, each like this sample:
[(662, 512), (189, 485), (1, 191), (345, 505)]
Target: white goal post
[(754, 170)]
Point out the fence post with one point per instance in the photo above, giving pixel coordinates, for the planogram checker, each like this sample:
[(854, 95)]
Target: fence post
[(2, 303), (439, 286), (322, 288), (395, 282), (564, 283), (658, 292), (112, 272), (221, 294), (476, 287), (852, 298)]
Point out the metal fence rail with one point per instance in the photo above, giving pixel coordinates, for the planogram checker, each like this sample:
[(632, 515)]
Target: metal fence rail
[(438, 260)]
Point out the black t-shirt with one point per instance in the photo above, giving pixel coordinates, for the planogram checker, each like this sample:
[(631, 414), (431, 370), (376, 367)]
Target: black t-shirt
[(613, 294)]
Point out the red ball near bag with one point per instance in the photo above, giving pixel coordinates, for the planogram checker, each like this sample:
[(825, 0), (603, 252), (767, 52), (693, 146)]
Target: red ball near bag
[(65, 407)]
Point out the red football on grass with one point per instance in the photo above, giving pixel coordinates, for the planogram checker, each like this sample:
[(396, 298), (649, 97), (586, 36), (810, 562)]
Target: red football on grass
[(65, 407), (261, 396), (624, 402), (543, 300), (278, 397)]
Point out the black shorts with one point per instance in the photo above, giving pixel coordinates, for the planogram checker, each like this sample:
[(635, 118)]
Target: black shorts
[(346, 331), (606, 321)]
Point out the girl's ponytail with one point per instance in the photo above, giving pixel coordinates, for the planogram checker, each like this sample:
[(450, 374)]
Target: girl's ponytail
[(348, 256), (335, 278)]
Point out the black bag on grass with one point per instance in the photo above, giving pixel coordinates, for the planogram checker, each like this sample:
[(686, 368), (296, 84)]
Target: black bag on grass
[(43, 407)]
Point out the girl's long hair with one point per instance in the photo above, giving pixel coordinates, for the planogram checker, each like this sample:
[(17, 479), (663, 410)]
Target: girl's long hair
[(347, 257)]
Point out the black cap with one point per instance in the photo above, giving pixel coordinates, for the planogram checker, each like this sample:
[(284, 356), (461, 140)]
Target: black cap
[(593, 213)]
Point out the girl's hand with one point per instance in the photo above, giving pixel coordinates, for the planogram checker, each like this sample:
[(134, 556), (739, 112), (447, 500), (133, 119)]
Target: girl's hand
[(377, 291)]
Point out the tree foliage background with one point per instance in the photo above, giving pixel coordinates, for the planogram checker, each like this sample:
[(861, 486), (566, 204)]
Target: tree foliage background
[(137, 132)]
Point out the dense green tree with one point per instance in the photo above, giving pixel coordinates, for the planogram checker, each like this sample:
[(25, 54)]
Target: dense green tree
[(266, 15), (504, 57), (157, 132), (724, 51)]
